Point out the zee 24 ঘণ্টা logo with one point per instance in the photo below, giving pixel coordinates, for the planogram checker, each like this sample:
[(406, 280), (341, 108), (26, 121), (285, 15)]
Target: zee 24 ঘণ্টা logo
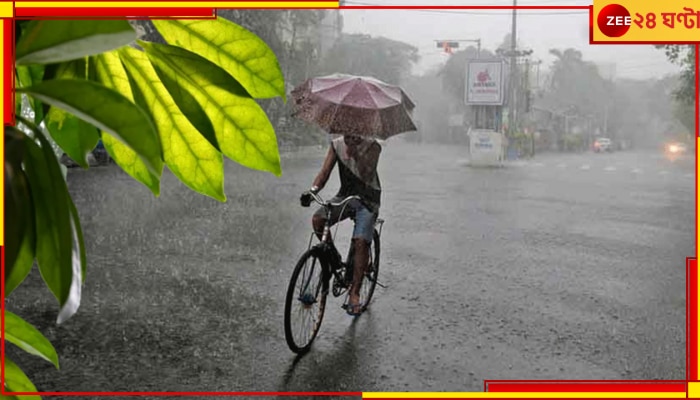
[(614, 20)]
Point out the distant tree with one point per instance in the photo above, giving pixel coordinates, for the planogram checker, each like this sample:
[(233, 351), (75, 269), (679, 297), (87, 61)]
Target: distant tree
[(576, 84), (379, 57), (454, 72), (644, 112), (685, 113), (665, 104), (684, 56)]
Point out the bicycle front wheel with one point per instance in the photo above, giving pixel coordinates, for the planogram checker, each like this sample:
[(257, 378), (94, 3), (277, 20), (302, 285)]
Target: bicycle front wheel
[(369, 282), (305, 303)]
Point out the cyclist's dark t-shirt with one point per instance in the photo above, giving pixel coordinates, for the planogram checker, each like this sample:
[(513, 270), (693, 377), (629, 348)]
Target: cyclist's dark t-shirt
[(351, 184)]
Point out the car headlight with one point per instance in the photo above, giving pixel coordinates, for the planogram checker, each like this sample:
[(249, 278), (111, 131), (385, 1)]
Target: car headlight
[(673, 148)]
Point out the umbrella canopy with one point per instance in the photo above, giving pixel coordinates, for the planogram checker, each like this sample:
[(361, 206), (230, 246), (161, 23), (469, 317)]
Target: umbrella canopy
[(354, 105)]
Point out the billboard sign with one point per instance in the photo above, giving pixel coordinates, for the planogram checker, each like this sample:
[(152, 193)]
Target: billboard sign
[(485, 83)]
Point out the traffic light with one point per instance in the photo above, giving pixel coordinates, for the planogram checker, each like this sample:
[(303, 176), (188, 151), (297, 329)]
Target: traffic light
[(447, 46), (451, 45)]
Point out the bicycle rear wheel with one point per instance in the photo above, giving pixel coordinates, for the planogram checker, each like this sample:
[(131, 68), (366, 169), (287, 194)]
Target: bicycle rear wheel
[(369, 282), (305, 302)]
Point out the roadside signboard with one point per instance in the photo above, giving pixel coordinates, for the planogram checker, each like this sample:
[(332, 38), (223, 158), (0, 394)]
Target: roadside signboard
[(485, 147), (485, 84)]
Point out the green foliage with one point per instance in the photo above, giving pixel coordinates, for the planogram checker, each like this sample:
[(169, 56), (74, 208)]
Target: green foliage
[(28, 338), (17, 381), (235, 124), (233, 48), (53, 41), (50, 197), (186, 105), (186, 152), (110, 72), (19, 214), (28, 75), (75, 136), (113, 113)]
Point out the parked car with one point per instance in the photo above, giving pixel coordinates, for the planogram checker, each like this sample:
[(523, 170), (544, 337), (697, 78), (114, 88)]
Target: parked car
[(603, 145)]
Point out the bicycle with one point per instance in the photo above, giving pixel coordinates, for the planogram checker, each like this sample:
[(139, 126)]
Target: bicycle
[(307, 292)]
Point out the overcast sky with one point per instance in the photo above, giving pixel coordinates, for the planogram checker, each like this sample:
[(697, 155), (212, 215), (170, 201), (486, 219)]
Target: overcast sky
[(539, 30)]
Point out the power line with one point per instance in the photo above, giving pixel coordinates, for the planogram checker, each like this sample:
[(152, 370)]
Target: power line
[(560, 3), (522, 12)]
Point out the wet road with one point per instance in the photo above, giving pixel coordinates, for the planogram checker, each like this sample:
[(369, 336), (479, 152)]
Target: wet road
[(561, 267)]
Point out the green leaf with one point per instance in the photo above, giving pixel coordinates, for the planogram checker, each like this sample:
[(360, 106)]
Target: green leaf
[(16, 381), (78, 266), (61, 264), (52, 219), (110, 72), (74, 69), (235, 49), (106, 109), (29, 75), (18, 97), (241, 129), (51, 41), (18, 210), (75, 136), (50, 72), (17, 273), (25, 336), (20, 27), (188, 155), (79, 252)]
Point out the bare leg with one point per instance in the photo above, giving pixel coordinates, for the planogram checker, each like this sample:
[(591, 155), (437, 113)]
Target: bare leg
[(361, 259)]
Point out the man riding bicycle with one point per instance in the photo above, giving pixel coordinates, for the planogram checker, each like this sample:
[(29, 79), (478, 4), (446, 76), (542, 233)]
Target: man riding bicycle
[(357, 159)]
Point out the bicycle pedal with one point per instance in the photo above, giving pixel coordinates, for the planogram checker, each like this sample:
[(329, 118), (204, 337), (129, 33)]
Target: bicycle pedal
[(383, 286)]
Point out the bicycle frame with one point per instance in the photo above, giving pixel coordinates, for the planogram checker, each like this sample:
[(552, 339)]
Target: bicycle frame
[(331, 260)]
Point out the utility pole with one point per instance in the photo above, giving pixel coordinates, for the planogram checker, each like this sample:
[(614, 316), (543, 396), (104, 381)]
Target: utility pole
[(513, 71), (537, 79)]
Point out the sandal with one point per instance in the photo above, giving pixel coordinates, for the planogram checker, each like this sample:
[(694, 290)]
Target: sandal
[(354, 310)]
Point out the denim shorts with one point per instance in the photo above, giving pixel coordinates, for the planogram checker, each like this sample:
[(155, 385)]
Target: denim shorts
[(364, 218)]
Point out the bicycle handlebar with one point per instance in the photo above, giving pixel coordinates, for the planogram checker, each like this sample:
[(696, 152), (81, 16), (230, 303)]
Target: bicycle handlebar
[(323, 203)]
